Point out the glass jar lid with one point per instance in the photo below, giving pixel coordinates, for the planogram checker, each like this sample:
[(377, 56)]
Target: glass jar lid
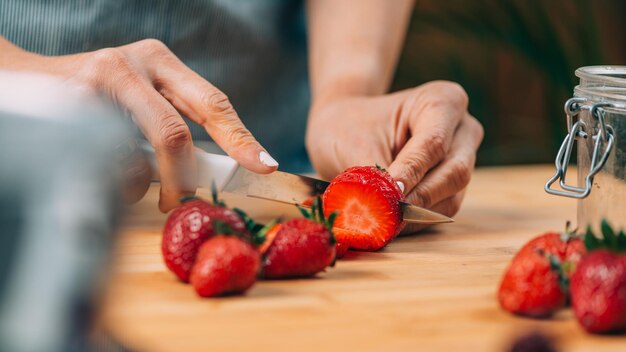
[(602, 76), (603, 84)]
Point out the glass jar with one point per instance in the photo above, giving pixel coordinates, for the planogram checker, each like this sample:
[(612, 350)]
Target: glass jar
[(596, 124)]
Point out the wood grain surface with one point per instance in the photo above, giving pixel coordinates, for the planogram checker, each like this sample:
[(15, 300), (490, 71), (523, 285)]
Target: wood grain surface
[(434, 291)]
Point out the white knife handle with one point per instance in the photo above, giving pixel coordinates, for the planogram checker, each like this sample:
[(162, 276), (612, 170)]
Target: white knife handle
[(211, 167)]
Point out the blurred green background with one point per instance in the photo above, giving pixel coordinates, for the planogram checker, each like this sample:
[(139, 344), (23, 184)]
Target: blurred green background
[(516, 60)]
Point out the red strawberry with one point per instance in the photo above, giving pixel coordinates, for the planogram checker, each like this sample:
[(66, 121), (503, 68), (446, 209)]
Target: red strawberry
[(599, 284), (535, 282), (225, 265), (187, 227), (369, 213), (300, 247)]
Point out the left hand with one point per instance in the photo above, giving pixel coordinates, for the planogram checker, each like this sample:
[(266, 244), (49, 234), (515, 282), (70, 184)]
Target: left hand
[(424, 136)]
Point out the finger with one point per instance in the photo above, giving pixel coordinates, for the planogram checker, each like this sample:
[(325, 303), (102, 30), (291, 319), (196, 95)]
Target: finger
[(204, 104), (448, 207), (434, 112), (454, 172), (136, 175), (156, 118)]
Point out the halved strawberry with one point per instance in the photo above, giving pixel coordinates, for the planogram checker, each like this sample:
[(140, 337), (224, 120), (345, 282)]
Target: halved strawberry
[(367, 199)]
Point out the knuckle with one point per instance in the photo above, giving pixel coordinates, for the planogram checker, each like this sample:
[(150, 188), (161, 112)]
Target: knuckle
[(109, 58), (460, 176), (174, 133), (414, 169), (436, 145), (153, 48), (423, 198), (217, 103), (152, 44), (452, 91), (98, 66)]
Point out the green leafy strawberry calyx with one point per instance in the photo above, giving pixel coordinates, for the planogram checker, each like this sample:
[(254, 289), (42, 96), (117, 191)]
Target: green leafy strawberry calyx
[(260, 236), (317, 214), (610, 239), (257, 230), (564, 270)]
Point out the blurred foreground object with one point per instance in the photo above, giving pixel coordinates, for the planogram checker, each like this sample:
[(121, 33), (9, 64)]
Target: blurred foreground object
[(58, 209), (533, 342)]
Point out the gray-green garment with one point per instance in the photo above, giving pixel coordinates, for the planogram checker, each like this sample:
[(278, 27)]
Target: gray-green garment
[(253, 50)]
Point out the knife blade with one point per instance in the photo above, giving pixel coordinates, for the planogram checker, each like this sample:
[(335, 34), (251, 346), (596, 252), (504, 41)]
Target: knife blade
[(278, 186)]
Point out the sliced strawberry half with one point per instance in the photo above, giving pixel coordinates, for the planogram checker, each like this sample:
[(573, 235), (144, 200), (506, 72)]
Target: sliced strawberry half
[(367, 199)]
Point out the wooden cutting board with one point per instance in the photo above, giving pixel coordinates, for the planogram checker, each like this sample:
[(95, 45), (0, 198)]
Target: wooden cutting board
[(433, 291)]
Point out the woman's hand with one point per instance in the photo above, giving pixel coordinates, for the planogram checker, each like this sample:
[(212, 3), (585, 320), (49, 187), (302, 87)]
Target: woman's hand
[(147, 80), (424, 136)]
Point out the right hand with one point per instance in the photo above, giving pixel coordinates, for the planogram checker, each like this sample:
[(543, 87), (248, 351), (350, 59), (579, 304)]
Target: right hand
[(146, 79)]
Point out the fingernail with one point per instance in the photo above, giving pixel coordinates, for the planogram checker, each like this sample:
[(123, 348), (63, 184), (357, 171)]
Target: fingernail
[(267, 159), (401, 185)]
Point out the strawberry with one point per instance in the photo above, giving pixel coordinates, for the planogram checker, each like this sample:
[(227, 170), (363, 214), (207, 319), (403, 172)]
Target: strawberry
[(300, 247), (188, 226), (598, 285), (341, 250), (535, 283), (367, 199), (226, 264)]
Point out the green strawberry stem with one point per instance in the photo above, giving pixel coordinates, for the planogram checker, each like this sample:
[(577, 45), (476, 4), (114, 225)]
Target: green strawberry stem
[(569, 233), (214, 196)]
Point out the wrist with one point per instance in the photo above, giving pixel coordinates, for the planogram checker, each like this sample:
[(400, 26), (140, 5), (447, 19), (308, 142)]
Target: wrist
[(18, 59), (362, 79)]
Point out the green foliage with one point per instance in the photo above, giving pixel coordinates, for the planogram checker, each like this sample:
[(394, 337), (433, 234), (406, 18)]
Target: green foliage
[(610, 240), (317, 214), (474, 42)]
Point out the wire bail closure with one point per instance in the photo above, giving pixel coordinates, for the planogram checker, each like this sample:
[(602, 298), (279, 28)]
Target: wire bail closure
[(604, 136)]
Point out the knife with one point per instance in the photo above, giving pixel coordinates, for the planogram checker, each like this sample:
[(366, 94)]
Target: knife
[(278, 186)]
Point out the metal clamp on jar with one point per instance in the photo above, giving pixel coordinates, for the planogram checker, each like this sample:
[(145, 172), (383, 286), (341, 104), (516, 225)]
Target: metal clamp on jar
[(596, 120)]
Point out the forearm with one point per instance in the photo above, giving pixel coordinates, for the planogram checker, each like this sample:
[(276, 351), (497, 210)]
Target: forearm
[(354, 46)]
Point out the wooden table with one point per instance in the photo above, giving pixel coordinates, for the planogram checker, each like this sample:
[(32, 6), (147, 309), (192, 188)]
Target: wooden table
[(433, 291)]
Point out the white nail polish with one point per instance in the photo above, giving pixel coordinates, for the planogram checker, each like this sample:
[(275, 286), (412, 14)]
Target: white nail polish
[(267, 159), (401, 185)]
